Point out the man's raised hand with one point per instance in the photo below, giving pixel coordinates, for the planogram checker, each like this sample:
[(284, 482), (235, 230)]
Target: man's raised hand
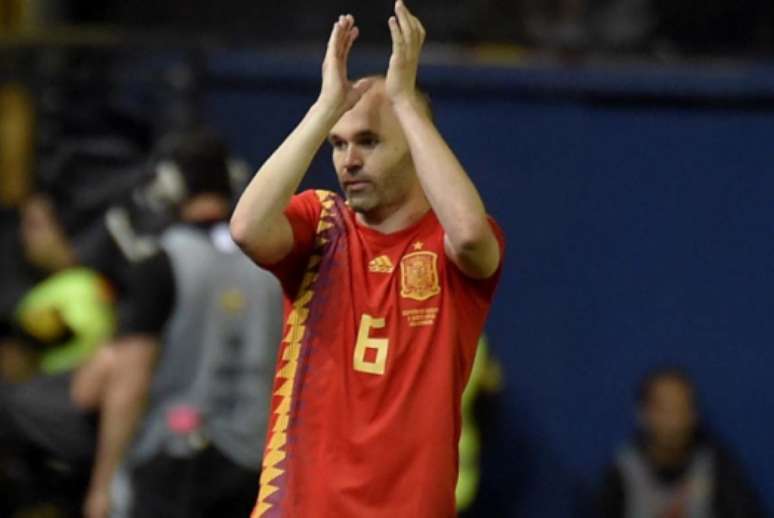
[(338, 93), (408, 36)]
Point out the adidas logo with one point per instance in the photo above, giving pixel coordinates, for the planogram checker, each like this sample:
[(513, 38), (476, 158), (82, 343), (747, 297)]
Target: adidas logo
[(381, 264)]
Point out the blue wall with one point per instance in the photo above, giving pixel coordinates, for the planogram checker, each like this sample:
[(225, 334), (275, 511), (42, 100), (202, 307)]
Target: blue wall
[(639, 211)]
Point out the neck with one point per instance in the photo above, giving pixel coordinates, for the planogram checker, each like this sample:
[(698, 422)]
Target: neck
[(204, 208), (394, 218)]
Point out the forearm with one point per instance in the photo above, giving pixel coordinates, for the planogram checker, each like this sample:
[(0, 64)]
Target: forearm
[(447, 186), (260, 208), (121, 407), (121, 411), (258, 224)]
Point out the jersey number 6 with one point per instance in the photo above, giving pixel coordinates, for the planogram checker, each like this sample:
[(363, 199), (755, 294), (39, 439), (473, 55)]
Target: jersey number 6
[(365, 342)]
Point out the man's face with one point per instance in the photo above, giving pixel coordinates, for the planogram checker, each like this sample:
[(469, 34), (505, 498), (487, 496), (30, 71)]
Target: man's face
[(669, 414), (371, 156)]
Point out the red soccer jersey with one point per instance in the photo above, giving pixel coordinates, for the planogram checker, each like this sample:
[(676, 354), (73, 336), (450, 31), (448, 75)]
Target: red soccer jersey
[(379, 340)]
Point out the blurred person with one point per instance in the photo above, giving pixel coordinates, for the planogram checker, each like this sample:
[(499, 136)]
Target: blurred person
[(16, 276), (386, 293), (673, 468), (65, 312), (485, 382), (70, 312), (56, 312), (55, 327), (72, 288), (192, 366), (94, 410)]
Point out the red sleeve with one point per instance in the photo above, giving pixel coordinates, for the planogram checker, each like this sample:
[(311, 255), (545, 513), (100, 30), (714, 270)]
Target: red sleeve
[(303, 213), (483, 289)]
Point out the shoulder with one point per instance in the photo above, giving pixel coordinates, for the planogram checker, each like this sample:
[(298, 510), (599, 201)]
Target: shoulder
[(150, 295), (321, 194), (609, 500), (153, 270), (316, 197), (306, 209)]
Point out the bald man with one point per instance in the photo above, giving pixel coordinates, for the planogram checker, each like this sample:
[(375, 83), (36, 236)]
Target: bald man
[(386, 293)]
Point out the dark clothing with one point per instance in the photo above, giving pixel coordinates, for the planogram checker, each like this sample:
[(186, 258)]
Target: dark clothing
[(40, 426), (203, 486), (732, 496), (150, 297), (46, 445), (150, 292), (16, 276), (40, 413)]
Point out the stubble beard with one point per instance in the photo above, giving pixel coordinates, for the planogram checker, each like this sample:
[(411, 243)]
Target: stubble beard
[(362, 202)]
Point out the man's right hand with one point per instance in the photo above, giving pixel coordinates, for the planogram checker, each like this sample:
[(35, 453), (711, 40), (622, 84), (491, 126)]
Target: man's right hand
[(259, 225), (338, 93)]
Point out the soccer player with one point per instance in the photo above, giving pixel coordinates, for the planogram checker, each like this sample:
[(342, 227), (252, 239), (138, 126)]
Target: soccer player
[(386, 293)]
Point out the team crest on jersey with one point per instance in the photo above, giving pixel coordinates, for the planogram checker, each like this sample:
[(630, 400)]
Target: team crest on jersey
[(419, 276)]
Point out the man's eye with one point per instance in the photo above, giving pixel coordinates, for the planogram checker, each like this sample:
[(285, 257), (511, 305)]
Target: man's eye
[(369, 142), (338, 145)]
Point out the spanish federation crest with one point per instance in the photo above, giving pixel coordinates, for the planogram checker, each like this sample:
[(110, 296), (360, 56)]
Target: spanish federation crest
[(419, 276)]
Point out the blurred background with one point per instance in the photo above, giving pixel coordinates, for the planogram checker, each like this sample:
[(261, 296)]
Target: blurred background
[(625, 146)]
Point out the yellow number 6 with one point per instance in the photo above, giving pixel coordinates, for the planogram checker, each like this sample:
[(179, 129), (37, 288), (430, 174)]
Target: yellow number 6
[(365, 342)]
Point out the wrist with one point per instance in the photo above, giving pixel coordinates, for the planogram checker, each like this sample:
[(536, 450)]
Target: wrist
[(327, 111), (408, 104), (101, 479), (100, 488)]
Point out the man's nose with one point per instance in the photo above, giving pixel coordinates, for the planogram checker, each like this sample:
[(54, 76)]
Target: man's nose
[(353, 160)]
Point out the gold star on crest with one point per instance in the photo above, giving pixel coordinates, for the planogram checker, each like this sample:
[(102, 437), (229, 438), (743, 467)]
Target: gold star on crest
[(418, 245)]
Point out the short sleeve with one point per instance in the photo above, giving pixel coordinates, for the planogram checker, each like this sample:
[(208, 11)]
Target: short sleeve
[(483, 289), (303, 213), (150, 296)]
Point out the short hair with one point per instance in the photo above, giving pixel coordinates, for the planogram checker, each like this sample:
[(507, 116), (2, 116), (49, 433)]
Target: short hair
[(203, 160), (423, 95), (654, 376)]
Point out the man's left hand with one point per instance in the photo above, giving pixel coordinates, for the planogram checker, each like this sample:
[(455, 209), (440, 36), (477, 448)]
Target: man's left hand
[(408, 36)]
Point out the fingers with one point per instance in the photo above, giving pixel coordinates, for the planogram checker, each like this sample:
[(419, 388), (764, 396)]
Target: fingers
[(334, 38), (404, 21), (342, 36), (408, 26), (346, 29), (353, 34), (397, 36), (421, 30)]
